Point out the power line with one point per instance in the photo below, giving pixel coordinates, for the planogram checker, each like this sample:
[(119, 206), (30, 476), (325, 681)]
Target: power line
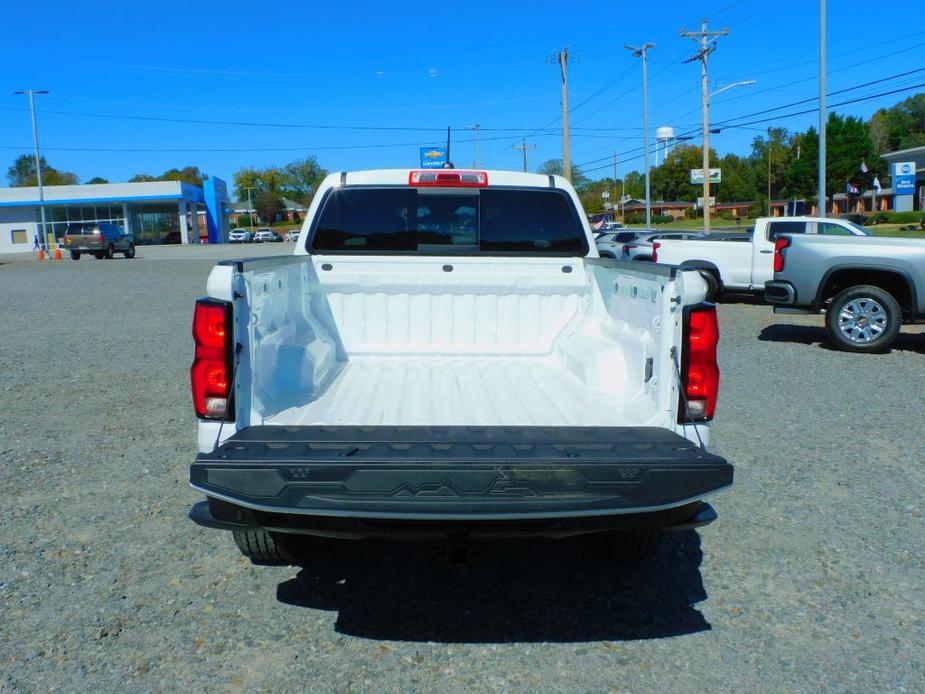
[(263, 149), (764, 120), (728, 121)]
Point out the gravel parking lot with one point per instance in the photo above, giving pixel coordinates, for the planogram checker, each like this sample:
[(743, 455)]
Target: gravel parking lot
[(812, 579)]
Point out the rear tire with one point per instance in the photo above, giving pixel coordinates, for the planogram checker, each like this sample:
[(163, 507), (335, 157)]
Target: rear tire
[(108, 253), (130, 251), (75, 255), (863, 319), (263, 547), (714, 288)]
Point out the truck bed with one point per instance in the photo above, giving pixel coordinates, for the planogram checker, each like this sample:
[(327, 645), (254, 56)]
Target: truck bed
[(538, 343)]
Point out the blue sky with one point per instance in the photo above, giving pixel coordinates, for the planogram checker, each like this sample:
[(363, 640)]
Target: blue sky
[(414, 68)]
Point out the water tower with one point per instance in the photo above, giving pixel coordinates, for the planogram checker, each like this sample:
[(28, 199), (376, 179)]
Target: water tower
[(664, 141)]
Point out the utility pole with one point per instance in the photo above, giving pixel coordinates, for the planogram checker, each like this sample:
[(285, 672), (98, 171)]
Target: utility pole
[(704, 37), (478, 148), (643, 52), (770, 212), (566, 137), (822, 113), (523, 147), (449, 162), (38, 161), (615, 185)]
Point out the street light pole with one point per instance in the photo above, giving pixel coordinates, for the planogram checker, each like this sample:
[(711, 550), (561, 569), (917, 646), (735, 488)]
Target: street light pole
[(250, 206), (822, 114), (478, 147), (642, 52), (38, 161), (769, 172)]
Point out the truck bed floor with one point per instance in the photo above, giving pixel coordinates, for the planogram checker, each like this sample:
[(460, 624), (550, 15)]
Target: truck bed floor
[(439, 391)]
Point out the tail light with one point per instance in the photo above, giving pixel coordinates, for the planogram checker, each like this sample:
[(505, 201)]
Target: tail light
[(779, 246), (655, 247), (699, 370), (211, 372)]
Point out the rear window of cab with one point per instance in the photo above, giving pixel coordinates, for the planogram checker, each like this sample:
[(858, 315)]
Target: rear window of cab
[(442, 221)]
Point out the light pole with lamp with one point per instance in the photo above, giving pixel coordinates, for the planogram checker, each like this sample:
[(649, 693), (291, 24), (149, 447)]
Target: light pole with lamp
[(250, 205), (38, 161), (642, 52)]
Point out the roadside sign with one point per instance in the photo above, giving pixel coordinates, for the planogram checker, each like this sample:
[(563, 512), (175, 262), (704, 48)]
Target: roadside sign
[(700, 201), (904, 178), (433, 157), (716, 176)]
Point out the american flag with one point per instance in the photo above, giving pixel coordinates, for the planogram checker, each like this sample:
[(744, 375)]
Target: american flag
[(598, 225), (853, 189), (864, 168)]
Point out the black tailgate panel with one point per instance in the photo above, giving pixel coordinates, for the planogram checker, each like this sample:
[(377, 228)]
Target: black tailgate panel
[(458, 472)]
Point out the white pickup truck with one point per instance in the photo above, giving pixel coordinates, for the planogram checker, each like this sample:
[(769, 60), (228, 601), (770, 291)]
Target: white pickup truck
[(446, 356), (744, 262)]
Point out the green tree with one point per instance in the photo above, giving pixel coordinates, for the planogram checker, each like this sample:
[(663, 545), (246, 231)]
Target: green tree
[(188, 174), (301, 178), (97, 179), (142, 178), (270, 179), (553, 167), (780, 153), (738, 183), (634, 185), (268, 205), (671, 180), (900, 126), (848, 144), (592, 198), (22, 173), (801, 177)]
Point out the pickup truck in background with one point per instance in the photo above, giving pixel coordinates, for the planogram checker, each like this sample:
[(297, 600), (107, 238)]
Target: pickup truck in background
[(743, 262), (446, 356), (868, 287)]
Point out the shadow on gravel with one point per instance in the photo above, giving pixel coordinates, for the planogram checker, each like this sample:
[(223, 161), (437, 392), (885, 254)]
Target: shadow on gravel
[(507, 592), (815, 335)]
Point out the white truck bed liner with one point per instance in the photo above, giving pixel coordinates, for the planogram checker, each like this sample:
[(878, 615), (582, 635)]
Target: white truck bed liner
[(417, 390)]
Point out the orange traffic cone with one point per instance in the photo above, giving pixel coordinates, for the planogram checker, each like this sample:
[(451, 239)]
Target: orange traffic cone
[(57, 253), (42, 255)]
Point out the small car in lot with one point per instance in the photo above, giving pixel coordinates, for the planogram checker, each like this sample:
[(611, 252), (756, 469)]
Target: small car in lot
[(264, 234), (292, 235), (99, 239), (240, 236)]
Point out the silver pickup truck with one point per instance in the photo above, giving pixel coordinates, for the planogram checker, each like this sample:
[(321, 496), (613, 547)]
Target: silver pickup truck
[(867, 286)]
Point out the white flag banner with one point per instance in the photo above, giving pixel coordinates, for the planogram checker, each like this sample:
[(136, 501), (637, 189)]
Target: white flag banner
[(876, 184)]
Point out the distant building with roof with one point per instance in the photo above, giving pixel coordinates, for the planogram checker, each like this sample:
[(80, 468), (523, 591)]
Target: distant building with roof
[(152, 211)]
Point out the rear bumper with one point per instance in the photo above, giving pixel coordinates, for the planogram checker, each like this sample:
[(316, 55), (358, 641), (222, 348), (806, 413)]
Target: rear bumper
[(221, 515), (459, 473), (780, 293)]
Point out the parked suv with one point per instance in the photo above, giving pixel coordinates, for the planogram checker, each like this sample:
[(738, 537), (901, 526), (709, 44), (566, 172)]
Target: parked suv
[(240, 236), (265, 234), (100, 239)]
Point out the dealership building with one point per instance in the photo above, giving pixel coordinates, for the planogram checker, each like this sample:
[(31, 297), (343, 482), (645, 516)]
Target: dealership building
[(153, 212)]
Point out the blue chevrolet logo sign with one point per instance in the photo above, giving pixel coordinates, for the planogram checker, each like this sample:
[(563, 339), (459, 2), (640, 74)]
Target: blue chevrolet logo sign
[(433, 157)]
